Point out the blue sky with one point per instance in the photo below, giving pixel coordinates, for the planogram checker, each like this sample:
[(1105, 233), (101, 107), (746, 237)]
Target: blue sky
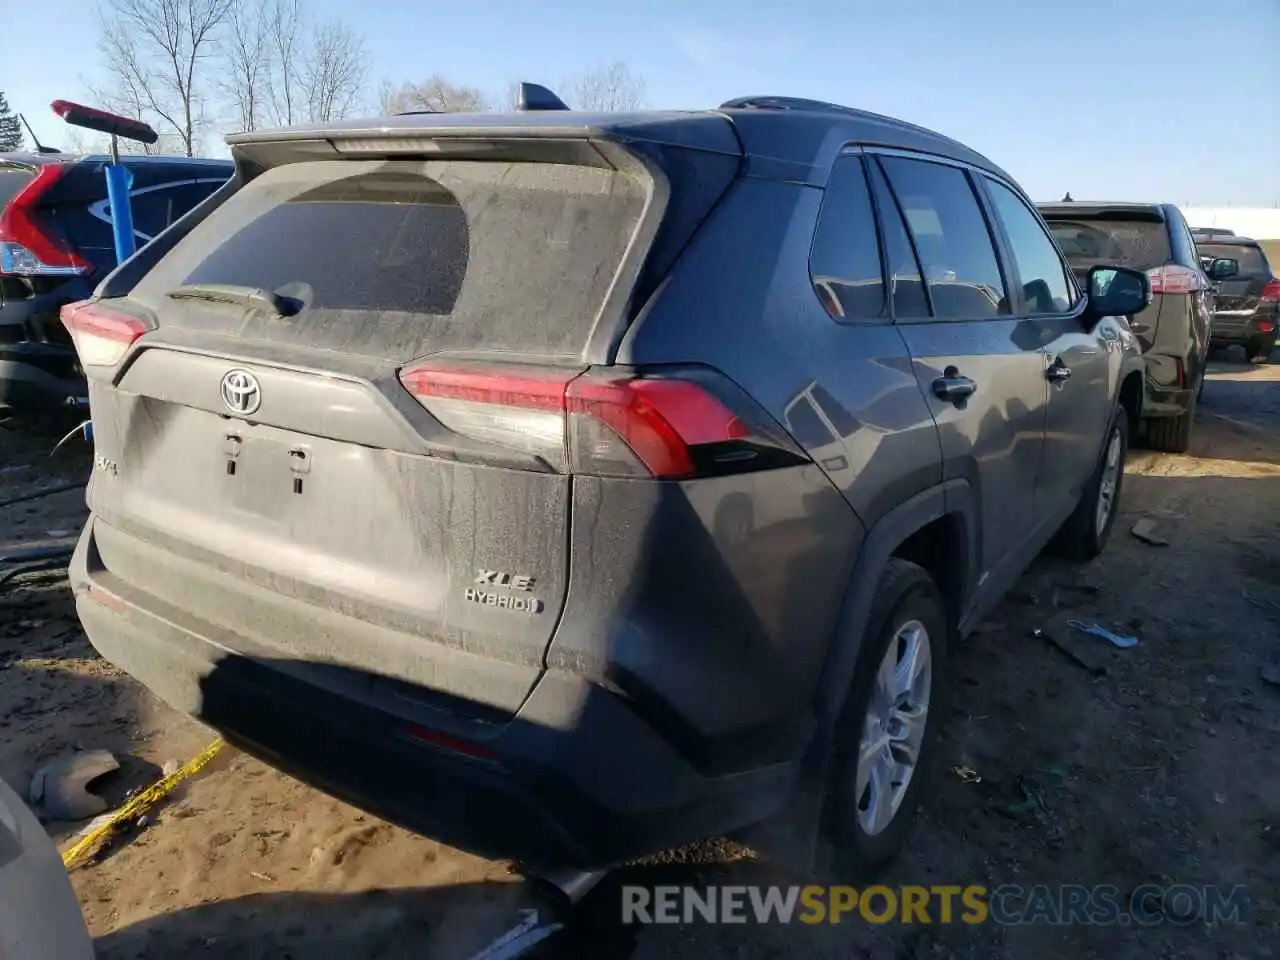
[(1100, 98)]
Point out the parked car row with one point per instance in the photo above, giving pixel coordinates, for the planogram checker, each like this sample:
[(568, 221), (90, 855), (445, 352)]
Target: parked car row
[(1247, 305), (56, 244), (1211, 290)]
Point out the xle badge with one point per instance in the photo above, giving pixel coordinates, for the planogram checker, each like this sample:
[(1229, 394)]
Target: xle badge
[(488, 596)]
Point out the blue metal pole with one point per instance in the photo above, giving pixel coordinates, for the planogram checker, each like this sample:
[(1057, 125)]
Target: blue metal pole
[(118, 182)]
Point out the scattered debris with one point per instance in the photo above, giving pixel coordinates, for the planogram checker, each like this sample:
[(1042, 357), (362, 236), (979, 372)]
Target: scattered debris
[(967, 774), (61, 787), (1116, 639), (169, 768), (1148, 531), (1072, 650), (138, 805), (264, 877)]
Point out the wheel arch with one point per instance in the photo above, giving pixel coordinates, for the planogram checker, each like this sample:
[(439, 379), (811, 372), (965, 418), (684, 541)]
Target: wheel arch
[(938, 525), (937, 529)]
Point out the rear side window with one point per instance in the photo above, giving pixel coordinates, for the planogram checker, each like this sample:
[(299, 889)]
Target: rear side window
[(399, 259), (1045, 288), (845, 262), (951, 238), (906, 287), (1253, 263), (1088, 242)]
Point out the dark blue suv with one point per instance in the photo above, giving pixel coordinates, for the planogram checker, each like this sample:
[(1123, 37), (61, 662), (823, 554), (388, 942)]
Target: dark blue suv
[(569, 486), (56, 244)]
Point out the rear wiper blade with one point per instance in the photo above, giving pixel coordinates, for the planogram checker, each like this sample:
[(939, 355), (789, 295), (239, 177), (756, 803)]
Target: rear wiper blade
[(244, 296)]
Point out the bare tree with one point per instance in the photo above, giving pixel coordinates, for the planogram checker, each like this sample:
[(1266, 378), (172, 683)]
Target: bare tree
[(611, 87), (435, 93), (245, 49), (154, 52), (333, 71), (286, 33)]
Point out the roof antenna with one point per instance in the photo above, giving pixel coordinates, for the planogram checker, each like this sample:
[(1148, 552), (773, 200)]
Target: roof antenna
[(40, 147), (1067, 198), (534, 96)]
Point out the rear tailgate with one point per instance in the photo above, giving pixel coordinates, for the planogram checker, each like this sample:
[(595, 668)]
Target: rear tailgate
[(1239, 296), (269, 474)]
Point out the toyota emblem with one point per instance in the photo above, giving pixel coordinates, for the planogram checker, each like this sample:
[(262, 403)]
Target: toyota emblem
[(240, 392)]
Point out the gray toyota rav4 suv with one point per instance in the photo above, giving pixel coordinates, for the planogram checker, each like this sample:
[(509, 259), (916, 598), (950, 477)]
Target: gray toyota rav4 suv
[(570, 486)]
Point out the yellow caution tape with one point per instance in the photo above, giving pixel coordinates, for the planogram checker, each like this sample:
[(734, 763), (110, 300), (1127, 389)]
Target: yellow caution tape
[(139, 804)]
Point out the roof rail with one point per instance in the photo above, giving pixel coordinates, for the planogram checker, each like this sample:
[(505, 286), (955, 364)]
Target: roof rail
[(785, 103), (534, 96)]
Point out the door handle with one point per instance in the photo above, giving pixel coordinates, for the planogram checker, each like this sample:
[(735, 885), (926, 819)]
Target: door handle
[(1058, 371), (954, 388)]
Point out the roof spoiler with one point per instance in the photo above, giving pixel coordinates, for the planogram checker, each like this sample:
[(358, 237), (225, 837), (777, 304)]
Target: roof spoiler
[(534, 96)]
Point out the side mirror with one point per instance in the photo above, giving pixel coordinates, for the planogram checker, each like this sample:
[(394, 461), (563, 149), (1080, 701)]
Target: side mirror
[(1116, 292), (1223, 268)]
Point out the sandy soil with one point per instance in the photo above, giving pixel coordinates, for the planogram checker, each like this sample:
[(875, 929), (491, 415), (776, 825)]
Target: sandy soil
[(1163, 770)]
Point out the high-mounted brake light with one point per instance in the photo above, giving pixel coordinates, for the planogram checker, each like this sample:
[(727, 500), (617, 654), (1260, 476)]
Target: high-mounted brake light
[(29, 246), (585, 423), (1172, 278), (102, 336)]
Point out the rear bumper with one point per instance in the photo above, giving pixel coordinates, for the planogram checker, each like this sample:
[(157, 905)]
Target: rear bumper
[(576, 778), (1252, 328), (35, 374)]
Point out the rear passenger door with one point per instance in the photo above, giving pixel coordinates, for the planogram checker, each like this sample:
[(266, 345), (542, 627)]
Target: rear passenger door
[(1080, 365), (979, 367)]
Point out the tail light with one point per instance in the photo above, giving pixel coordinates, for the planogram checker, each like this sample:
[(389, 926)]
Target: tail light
[(1172, 278), (600, 423), (29, 246), (1271, 292), (101, 334)]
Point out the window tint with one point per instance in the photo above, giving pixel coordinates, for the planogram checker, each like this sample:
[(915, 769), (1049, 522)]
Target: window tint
[(152, 210), (845, 263), (190, 195), (1183, 243), (1112, 241), (906, 288), (402, 258), (1045, 288), (1253, 263), (951, 238)]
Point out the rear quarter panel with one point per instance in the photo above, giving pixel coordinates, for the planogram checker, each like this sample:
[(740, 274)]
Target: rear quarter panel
[(741, 300)]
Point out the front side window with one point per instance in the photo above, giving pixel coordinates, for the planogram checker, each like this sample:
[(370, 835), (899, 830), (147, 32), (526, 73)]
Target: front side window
[(1045, 288), (951, 238)]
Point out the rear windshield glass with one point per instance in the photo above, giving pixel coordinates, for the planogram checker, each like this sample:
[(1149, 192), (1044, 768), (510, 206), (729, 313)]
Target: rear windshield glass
[(399, 259), (1252, 261), (1140, 244), (11, 181)]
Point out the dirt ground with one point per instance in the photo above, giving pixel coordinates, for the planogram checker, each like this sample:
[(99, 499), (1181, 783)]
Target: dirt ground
[(1163, 770)]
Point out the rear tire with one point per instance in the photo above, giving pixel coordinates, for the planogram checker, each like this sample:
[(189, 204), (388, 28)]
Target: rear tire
[(1259, 351), (1171, 434), (1085, 534), (887, 702)]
